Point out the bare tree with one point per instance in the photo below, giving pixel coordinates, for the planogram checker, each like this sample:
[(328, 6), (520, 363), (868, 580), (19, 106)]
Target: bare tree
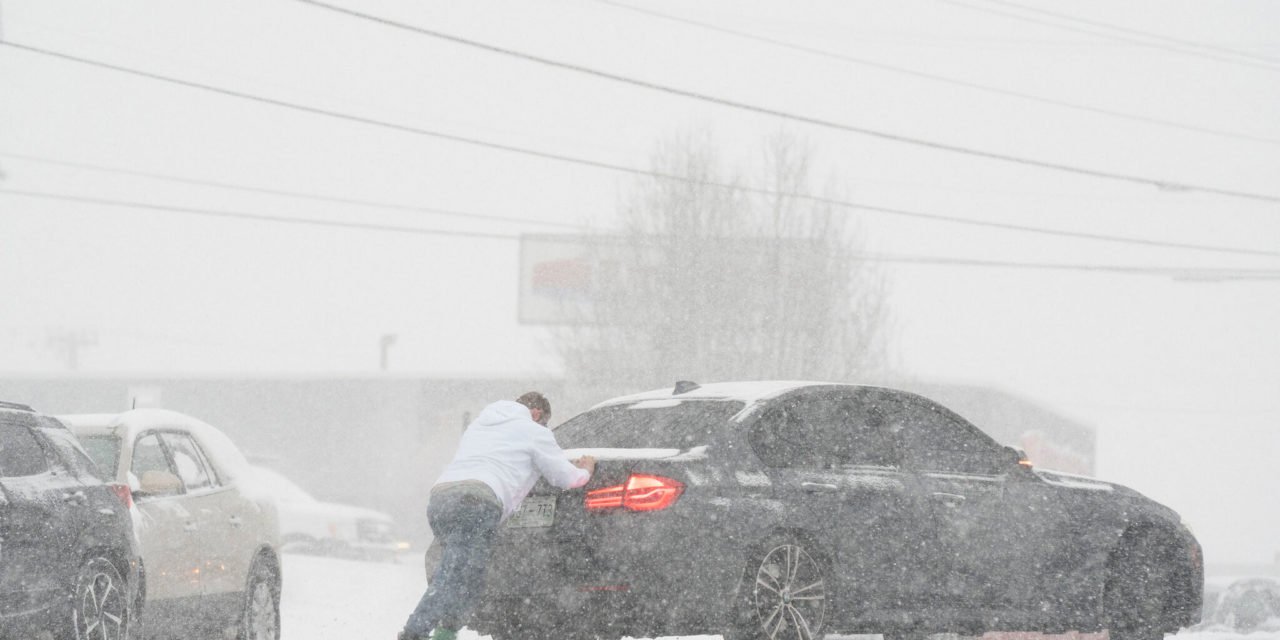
[(712, 283)]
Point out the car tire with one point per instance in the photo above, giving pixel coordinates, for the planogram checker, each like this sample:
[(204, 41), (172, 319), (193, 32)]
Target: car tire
[(260, 615), (1140, 579), (786, 594), (100, 607)]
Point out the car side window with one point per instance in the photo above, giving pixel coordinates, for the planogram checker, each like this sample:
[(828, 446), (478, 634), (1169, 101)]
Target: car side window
[(934, 441), (795, 434), (20, 452), (189, 461), (775, 441), (150, 471), (865, 439)]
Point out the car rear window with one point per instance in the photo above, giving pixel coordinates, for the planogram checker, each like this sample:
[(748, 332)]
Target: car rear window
[(72, 452), (668, 424), (105, 452), (20, 452)]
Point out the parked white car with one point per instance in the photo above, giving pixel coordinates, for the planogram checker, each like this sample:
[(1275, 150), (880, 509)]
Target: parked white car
[(209, 541), (308, 524)]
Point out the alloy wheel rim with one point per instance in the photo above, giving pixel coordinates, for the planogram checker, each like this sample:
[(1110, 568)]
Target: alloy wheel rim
[(102, 608), (790, 595)]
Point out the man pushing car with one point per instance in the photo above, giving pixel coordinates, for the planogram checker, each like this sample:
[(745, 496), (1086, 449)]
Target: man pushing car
[(502, 454)]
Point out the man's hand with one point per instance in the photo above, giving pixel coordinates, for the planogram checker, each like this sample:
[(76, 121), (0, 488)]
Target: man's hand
[(586, 462)]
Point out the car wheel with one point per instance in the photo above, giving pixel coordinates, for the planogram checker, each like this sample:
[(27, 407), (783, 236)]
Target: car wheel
[(1140, 578), (786, 595), (100, 605), (260, 617)]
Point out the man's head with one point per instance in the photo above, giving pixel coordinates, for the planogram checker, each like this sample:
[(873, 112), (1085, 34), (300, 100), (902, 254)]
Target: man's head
[(539, 407)]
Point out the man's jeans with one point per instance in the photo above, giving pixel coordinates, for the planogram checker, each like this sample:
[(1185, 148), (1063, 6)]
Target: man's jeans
[(464, 521)]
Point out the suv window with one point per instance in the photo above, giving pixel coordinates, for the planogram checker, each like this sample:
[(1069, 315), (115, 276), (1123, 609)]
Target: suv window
[(189, 460), (666, 424), (72, 453), (20, 451)]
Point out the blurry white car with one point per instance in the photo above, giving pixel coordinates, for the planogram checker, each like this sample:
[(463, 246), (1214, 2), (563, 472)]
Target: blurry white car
[(209, 541), (310, 525), (1246, 605)]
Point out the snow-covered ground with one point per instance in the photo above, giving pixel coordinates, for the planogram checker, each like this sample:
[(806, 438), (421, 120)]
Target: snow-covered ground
[(334, 599)]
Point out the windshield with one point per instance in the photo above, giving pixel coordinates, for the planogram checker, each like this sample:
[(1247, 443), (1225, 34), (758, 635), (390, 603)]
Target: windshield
[(673, 424), (105, 452)]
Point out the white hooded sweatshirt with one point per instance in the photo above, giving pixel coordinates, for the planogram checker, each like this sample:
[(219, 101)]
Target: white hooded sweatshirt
[(505, 449)]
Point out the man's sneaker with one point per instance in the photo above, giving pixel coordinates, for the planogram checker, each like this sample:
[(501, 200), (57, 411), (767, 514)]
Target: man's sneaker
[(440, 633)]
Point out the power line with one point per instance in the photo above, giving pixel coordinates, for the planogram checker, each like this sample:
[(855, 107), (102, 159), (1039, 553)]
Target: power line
[(649, 173), (1134, 41), (1200, 273), (940, 146), (282, 192), (940, 78), (1145, 34), (1178, 273), (238, 215)]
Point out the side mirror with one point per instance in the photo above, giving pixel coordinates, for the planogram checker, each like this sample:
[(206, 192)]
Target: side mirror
[(159, 483), (1018, 458)]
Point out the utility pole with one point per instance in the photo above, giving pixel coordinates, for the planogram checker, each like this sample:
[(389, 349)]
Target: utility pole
[(384, 345), (69, 343)]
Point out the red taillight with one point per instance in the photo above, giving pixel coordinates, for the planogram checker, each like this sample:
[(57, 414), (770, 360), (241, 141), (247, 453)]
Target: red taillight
[(123, 492), (640, 493)]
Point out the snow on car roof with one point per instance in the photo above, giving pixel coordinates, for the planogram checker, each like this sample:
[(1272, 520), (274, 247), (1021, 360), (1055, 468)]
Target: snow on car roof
[(747, 392), (225, 455)]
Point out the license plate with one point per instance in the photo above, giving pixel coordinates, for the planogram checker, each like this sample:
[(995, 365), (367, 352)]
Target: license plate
[(535, 511)]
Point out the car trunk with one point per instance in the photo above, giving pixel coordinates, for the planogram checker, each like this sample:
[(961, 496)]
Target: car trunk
[(556, 541)]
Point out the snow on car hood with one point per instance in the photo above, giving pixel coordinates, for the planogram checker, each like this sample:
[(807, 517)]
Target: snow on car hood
[(346, 511), (290, 496)]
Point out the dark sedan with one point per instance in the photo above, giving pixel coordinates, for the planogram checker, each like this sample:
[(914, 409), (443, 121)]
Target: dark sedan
[(68, 557), (771, 510)]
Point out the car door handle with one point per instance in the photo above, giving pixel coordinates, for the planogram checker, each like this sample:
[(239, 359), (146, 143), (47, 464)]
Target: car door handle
[(949, 499), (818, 487), (235, 521), (75, 498)]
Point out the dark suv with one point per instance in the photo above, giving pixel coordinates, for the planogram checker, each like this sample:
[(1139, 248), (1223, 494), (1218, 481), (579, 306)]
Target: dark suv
[(784, 510), (68, 556)]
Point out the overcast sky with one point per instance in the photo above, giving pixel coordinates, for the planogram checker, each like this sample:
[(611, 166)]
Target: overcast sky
[(1180, 377)]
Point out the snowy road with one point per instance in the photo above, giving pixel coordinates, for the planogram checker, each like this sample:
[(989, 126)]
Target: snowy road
[(332, 599)]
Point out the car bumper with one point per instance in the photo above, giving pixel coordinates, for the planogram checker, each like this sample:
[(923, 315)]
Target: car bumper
[(637, 574)]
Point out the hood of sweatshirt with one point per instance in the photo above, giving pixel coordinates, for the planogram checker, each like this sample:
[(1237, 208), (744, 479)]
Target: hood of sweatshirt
[(503, 411)]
